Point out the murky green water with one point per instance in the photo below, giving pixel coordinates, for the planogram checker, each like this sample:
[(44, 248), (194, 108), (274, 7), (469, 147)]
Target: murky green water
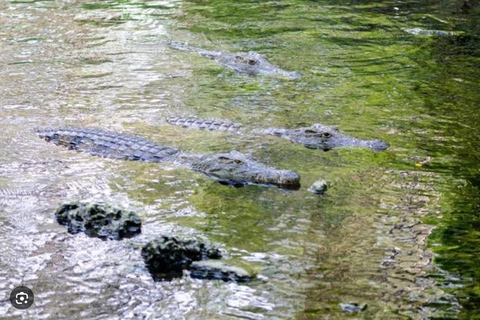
[(397, 230)]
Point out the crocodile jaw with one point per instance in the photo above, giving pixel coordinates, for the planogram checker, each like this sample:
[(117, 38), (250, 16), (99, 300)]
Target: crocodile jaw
[(346, 141), (281, 178), (236, 169)]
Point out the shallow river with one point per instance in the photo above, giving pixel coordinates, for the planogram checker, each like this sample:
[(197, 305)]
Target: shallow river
[(397, 230)]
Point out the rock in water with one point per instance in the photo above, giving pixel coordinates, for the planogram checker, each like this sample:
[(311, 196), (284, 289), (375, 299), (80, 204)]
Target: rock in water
[(98, 220), (318, 187), (352, 307), (439, 33), (218, 270), (166, 257)]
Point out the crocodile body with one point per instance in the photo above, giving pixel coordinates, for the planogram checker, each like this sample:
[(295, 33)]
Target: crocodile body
[(317, 136), (231, 168), (251, 63)]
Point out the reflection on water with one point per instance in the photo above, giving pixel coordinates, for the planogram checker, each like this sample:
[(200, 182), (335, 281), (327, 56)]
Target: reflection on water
[(107, 64)]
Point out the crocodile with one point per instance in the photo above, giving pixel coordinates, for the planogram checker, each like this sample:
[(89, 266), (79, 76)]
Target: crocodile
[(251, 63), (232, 168), (317, 136)]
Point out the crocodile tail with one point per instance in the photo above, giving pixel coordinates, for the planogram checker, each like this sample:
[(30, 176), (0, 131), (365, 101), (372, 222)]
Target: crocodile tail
[(205, 124), (181, 46)]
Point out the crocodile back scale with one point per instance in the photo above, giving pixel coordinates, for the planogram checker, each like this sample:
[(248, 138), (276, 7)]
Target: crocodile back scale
[(206, 124), (109, 144)]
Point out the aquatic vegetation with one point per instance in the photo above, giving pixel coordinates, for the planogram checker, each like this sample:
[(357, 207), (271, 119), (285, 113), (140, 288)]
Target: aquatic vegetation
[(397, 230)]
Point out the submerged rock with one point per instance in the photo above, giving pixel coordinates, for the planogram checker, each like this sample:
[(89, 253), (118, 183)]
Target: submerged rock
[(352, 307), (421, 32), (318, 187), (98, 220), (218, 270), (166, 257)]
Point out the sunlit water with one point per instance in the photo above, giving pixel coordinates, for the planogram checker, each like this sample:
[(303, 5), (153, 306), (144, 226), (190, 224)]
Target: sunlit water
[(369, 240)]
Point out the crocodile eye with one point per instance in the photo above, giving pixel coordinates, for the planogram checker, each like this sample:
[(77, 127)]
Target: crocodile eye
[(327, 135), (238, 161), (225, 160), (252, 62)]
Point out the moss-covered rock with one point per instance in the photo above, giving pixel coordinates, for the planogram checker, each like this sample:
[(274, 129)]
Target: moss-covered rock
[(167, 257), (98, 220), (218, 270)]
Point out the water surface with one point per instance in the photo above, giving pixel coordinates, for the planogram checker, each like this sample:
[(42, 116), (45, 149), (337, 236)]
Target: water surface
[(397, 230)]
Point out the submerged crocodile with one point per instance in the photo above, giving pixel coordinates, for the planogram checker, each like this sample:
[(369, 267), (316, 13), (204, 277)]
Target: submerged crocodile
[(251, 63), (317, 136), (232, 168)]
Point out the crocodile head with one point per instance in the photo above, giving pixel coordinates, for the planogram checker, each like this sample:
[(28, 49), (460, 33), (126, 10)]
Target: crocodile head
[(323, 137), (236, 169), (253, 63)]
